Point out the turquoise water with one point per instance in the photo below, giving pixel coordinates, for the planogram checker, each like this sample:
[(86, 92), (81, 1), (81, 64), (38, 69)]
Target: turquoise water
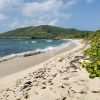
[(15, 46)]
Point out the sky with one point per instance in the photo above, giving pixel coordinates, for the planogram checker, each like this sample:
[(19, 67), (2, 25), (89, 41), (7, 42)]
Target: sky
[(79, 14)]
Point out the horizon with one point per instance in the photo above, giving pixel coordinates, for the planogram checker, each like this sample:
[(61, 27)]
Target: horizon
[(77, 14)]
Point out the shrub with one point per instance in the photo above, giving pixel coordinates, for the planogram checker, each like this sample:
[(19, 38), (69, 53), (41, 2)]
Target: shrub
[(93, 53)]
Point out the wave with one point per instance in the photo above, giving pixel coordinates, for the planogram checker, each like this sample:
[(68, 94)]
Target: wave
[(23, 54), (33, 41), (26, 42), (49, 40), (27, 53), (49, 48)]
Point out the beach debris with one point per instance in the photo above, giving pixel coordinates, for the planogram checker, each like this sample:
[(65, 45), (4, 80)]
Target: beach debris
[(96, 91), (64, 98), (43, 87), (26, 85)]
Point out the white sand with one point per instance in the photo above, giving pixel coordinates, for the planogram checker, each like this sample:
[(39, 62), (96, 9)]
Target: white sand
[(59, 78)]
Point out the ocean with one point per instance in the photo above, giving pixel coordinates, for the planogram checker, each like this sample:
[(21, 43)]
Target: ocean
[(17, 47)]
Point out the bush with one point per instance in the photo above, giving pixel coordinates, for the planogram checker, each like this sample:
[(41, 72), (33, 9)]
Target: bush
[(92, 76), (93, 53)]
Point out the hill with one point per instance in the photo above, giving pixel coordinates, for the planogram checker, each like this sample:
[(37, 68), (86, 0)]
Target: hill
[(44, 32)]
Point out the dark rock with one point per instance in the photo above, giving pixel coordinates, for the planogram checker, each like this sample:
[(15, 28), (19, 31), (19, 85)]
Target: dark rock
[(64, 98), (43, 87), (95, 91)]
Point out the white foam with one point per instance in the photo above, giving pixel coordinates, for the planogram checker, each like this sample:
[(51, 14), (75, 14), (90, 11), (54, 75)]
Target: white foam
[(49, 48), (49, 40), (17, 55), (26, 42), (33, 41)]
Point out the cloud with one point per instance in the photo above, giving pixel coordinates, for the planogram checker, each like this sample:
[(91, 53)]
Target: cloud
[(9, 4), (53, 22), (35, 9), (89, 1), (2, 17), (71, 3), (47, 11), (38, 8), (14, 24)]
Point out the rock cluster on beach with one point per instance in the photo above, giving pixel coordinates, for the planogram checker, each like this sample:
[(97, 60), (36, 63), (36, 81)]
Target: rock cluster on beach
[(60, 78)]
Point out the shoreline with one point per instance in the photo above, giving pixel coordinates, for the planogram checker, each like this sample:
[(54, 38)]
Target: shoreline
[(18, 64)]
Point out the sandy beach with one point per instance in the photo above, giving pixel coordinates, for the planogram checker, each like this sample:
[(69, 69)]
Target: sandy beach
[(57, 76)]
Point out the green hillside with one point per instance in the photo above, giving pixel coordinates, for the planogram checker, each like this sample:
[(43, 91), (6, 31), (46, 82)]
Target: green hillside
[(44, 32)]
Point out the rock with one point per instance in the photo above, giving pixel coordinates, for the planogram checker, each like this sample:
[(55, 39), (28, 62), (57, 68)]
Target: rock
[(64, 98), (43, 87)]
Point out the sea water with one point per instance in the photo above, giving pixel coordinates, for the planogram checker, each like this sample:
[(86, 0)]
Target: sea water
[(13, 47)]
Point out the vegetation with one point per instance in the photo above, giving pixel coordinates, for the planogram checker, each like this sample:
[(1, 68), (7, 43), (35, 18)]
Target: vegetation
[(93, 54), (45, 32)]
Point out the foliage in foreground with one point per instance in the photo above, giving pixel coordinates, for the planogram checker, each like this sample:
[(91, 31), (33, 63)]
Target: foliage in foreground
[(93, 54)]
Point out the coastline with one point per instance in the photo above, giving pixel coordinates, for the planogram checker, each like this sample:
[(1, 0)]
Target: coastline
[(37, 51), (59, 78), (16, 64)]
